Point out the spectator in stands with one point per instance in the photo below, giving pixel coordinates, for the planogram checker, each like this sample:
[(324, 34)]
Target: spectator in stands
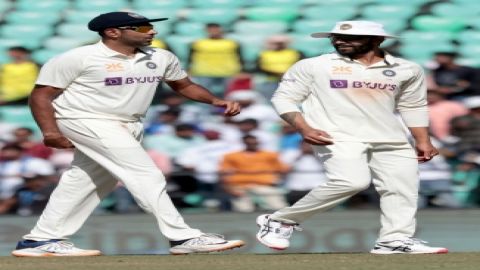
[(441, 112), (254, 107), (23, 136), (13, 165), (185, 136), (452, 79), (275, 60), (252, 176), (204, 160), (250, 126), (290, 138), (17, 77), (164, 123), (306, 172), (467, 128), (436, 182), (189, 112), (31, 197), (212, 61)]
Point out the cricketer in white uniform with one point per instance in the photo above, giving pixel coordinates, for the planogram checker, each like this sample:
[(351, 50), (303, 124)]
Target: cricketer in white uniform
[(92, 98), (345, 105)]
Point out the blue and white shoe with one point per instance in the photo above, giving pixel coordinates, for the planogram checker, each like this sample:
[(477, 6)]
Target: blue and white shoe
[(275, 234), (406, 246), (208, 242), (50, 248)]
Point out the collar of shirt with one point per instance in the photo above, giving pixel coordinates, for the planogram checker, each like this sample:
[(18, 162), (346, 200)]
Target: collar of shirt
[(388, 60)]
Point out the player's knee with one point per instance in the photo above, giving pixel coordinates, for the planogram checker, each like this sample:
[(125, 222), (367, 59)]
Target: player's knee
[(358, 186)]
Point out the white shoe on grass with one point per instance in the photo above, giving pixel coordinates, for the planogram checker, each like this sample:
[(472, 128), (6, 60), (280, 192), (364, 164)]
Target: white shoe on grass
[(275, 234), (50, 248), (407, 246), (205, 243)]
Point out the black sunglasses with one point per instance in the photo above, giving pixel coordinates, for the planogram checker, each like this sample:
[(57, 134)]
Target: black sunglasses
[(347, 37)]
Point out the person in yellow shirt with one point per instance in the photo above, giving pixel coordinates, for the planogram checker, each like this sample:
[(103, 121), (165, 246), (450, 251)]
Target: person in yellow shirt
[(274, 60), (214, 60), (252, 174), (17, 77)]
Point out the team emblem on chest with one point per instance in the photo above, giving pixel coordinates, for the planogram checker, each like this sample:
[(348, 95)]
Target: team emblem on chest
[(151, 65), (389, 73)]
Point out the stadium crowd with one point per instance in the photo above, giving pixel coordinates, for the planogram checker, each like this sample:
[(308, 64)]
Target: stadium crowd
[(248, 162)]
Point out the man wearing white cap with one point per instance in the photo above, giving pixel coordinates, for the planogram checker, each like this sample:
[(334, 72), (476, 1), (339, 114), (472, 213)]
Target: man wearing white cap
[(344, 104)]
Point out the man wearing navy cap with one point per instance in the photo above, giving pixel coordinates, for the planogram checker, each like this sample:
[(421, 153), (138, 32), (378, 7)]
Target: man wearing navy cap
[(92, 98)]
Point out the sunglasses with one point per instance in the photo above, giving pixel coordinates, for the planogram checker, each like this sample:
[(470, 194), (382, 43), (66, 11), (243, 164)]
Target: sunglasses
[(139, 29), (347, 37)]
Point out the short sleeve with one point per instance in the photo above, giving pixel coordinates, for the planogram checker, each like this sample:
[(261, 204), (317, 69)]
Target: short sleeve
[(174, 69), (60, 71)]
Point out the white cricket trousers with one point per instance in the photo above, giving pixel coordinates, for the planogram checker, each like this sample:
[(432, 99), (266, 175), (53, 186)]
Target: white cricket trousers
[(350, 167), (107, 151)]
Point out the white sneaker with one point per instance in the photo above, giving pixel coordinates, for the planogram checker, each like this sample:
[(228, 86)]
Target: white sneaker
[(408, 246), (275, 234), (50, 248), (208, 242)]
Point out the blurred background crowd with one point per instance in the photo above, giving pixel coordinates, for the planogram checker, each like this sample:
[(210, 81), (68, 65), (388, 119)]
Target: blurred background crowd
[(239, 50)]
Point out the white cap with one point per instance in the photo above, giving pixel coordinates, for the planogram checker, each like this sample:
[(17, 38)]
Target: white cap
[(472, 102), (357, 28)]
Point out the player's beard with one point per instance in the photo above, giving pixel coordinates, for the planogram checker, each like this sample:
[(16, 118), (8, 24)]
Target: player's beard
[(355, 50)]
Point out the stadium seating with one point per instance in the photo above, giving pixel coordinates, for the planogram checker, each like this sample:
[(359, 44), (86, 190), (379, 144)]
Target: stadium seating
[(260, 28), (285, 14), (159, 5), (193, 29), (44, 5), (224, 4), (401, 11), (32, 17), (101, 6), (331, 13), (223, 16), (434, 23)]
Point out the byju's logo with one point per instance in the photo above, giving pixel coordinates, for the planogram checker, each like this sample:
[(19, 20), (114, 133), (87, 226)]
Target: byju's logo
[(113, 81), (338, 83)]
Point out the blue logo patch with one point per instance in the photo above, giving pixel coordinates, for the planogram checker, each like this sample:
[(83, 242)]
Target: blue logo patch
[(338, 83), (113, 81)]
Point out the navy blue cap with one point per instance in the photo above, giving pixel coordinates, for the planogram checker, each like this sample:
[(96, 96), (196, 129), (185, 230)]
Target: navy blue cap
[(118, 18)]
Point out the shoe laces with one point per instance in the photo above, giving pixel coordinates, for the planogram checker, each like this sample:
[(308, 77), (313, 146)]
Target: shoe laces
[(206, 239), (414, 241), (282, 230), (58, 246)]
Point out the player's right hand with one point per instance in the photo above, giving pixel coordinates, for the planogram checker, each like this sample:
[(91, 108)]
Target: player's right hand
[(317, 137), (57, 140)]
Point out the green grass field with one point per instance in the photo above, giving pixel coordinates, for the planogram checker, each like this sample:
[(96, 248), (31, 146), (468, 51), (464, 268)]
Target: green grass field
[(299, 261)]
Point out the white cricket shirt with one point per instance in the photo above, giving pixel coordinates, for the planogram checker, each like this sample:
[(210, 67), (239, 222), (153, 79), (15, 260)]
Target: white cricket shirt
[(355, 102), (101, 83)]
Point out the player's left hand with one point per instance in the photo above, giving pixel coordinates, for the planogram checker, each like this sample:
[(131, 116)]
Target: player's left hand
[(231, 107), (425, 151)]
